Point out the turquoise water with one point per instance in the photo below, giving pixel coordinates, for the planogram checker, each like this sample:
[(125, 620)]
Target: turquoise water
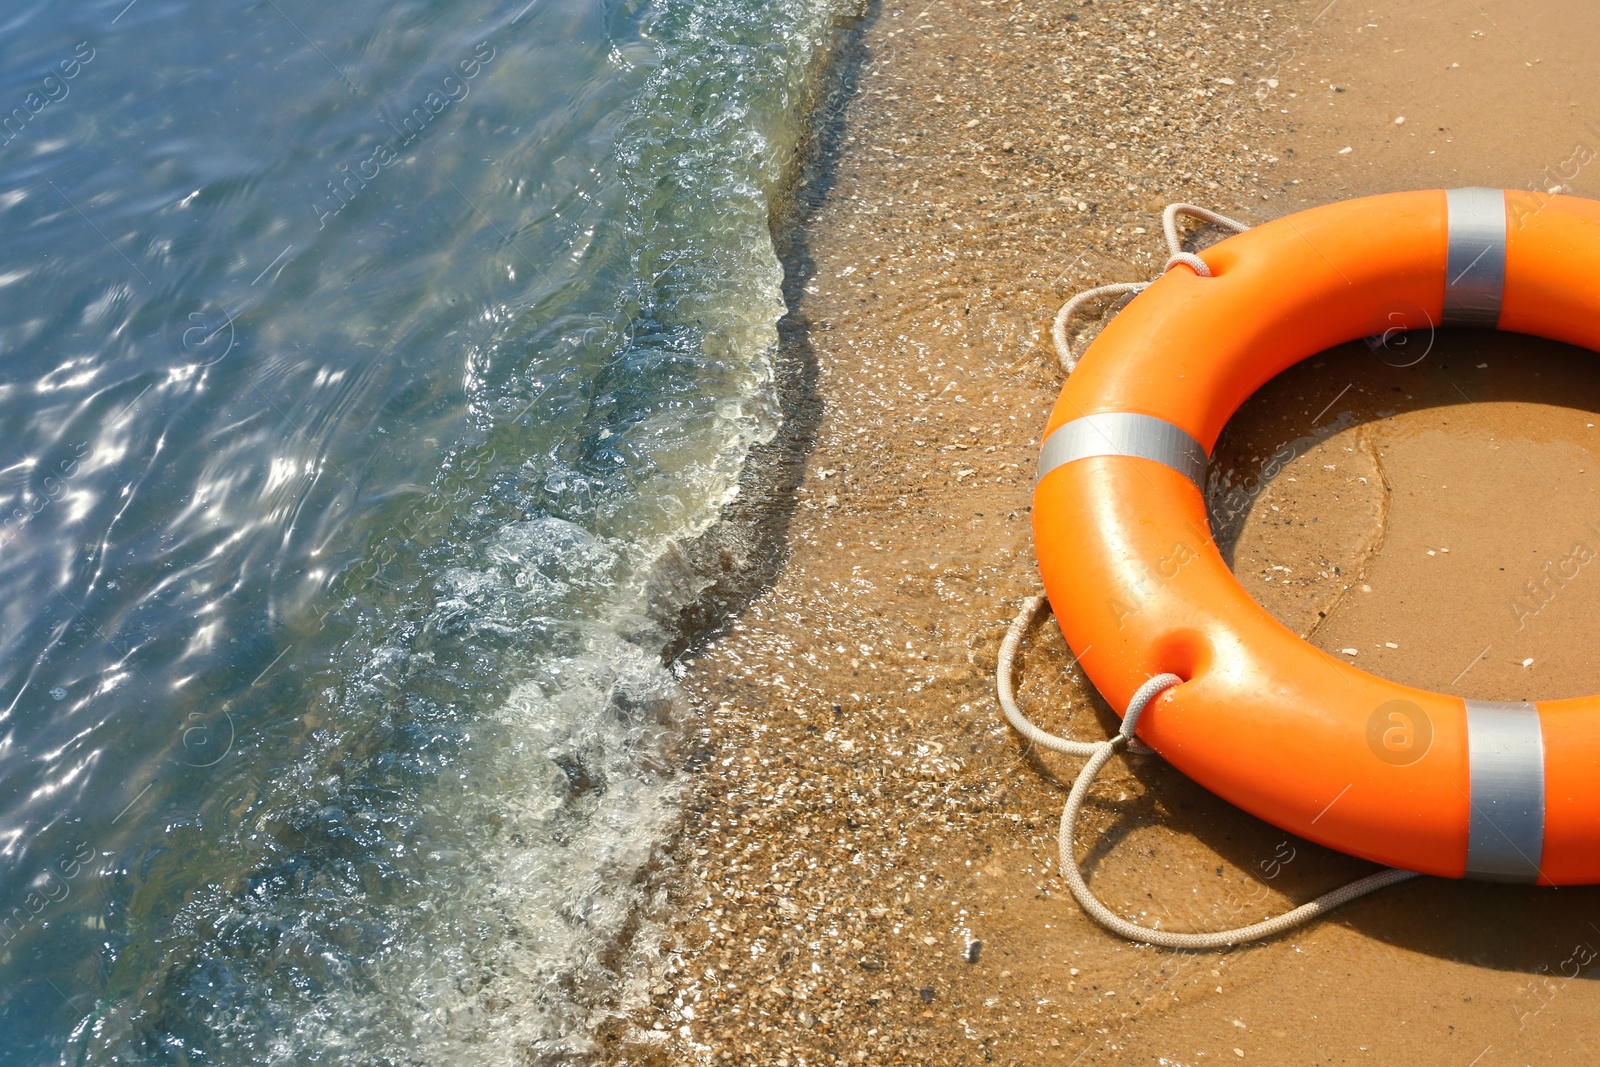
[(362, 364)]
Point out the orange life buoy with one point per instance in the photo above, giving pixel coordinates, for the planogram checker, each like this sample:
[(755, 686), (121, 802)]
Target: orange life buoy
[(1398, 775)]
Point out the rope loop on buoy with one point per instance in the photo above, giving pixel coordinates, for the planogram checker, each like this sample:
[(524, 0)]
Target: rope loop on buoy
[(1099, 753), (1176, 256)]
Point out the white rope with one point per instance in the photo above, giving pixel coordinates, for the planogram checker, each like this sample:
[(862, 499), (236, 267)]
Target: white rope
[(1169, 226), (1032, 608), (1100, 753), (1059, 329)]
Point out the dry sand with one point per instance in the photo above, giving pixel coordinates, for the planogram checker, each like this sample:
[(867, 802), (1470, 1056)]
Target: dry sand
[(866, 870)]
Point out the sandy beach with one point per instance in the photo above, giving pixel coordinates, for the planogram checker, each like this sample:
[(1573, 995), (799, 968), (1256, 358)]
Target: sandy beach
[(866, 870)]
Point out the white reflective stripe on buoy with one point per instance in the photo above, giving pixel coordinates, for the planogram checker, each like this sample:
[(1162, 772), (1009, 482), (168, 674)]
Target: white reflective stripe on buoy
[(1505, 752), (1475, 266), (1123, 433)]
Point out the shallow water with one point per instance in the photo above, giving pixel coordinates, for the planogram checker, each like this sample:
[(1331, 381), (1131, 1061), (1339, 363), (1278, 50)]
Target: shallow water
[(363, 363)]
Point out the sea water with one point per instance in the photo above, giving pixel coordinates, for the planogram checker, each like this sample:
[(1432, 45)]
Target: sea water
[(360, 365)]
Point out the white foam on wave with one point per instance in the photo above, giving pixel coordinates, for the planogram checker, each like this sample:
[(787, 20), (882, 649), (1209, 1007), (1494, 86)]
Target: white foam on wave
[(498, 916)]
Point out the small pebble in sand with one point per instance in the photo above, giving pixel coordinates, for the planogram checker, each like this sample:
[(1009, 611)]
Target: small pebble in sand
[(1401, 121), (1528, 662), (1346, 150), (1348, 651), (1390, 644)]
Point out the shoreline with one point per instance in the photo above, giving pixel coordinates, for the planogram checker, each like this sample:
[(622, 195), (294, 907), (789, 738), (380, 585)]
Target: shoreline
[(739, 557), (865, 869)]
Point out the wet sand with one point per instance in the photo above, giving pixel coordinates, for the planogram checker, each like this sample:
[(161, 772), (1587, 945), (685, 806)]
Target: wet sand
[(866, 871)]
